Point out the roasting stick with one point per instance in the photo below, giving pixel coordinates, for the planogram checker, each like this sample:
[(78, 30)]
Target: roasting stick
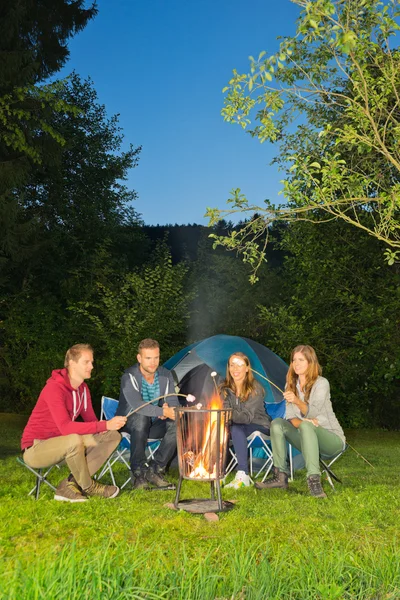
[(266, 379), (213, 375), (189, 398), (360, 455)]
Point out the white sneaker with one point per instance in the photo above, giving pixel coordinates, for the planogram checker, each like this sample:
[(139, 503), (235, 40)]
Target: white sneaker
[(241, 480)]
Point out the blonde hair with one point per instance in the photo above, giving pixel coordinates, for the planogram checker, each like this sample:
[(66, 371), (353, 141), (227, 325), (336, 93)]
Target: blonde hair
[(313, 371), (250, 384), (74, 353)]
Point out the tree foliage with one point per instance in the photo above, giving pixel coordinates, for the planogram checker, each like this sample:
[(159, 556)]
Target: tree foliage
[(339, 77), (338, 296), (148, 302), (74, 203), (33, 46)]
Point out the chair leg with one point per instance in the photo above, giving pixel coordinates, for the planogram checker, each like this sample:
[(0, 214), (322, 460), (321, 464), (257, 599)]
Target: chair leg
[(291, 461), (329, 473), (231, 465), (40, 477), (38, 482)]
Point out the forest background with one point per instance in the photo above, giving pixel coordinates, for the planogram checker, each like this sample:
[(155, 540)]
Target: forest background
[(78, 264)]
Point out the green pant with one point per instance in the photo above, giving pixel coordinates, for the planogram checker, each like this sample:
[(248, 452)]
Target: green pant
[(312, 442)]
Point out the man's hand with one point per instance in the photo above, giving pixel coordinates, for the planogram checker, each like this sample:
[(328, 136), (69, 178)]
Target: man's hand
[(168, 412), (115, 423)]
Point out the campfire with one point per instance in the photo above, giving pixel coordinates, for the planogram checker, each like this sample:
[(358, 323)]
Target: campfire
[(202, 440)]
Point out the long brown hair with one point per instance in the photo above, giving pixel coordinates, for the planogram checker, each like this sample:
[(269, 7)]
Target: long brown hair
[(313, 371), (250, 385)]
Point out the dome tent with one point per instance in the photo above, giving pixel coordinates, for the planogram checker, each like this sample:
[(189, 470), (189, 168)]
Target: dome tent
[(197, 361)]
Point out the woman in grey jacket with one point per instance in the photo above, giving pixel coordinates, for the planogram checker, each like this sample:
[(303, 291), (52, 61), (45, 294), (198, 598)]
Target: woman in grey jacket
[(245, 396), (310, 426)]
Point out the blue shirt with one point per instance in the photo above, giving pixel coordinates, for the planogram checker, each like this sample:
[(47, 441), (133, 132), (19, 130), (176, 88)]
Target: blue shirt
[(150, 391)]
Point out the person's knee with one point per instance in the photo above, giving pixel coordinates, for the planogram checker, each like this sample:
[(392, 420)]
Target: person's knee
[(75, 442), (237, 431), (138, 424), (171, 424), (111, 436), (276, 425), (170, 429), (306, 427)]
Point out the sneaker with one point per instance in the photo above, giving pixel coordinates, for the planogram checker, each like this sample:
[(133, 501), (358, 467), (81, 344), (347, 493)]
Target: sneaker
[(155, 477), (69, 491), (241, 480), (139, 482), (104, 491), (315, 487)]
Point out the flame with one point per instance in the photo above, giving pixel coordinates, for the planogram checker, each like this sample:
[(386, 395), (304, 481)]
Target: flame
[(203, 463), (216, 403)]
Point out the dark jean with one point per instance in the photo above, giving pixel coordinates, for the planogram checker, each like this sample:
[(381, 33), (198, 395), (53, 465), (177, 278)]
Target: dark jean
[(239, 434), (140, 428)]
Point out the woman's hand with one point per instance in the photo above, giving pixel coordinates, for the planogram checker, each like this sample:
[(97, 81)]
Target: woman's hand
[(291, 397), (313, 421)]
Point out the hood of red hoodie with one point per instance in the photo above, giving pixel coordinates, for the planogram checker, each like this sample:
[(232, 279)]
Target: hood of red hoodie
[(60, 376), (77, 397)]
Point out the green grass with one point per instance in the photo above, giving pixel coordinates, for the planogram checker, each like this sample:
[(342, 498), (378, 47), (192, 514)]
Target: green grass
[(272, 545)]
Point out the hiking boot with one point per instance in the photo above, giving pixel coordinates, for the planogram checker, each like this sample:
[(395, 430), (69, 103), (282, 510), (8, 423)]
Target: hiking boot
[(104, 491), (315, 487), (69, 491), (139, 482), (279, 480), (156, 477), (241, 480)]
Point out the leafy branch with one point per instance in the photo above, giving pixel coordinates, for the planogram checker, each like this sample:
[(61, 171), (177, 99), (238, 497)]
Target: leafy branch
[(340, 74)]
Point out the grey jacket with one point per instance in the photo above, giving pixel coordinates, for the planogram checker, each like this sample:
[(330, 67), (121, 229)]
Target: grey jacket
[(319, 407), (250, 411), (130, 395)]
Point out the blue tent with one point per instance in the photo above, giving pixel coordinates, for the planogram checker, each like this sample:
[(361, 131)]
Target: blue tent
[(215, 351)]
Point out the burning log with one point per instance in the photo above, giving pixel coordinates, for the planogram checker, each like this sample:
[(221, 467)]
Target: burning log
[(205, 462)]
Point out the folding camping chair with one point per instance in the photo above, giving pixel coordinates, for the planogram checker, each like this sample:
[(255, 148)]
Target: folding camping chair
[(41, 477), (258, 440), (326, 468), (121, 454), (254, 440)]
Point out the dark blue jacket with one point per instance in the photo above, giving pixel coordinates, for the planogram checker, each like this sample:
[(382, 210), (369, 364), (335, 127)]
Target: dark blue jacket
[(130, 395)]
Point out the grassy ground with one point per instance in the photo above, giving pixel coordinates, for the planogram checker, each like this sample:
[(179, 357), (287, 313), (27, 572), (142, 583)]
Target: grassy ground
[(273, 545)]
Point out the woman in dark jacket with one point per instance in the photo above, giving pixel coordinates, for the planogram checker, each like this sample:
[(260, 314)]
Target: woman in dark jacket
[(241, 392)]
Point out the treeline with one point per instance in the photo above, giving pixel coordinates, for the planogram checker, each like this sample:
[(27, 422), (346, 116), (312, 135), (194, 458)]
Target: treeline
[(78, 264)]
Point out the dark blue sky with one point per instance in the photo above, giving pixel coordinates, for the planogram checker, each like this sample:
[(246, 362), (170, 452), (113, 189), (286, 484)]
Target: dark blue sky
[(162, 64)]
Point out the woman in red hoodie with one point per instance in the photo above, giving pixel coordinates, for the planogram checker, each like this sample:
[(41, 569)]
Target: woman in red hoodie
[(53, 433)]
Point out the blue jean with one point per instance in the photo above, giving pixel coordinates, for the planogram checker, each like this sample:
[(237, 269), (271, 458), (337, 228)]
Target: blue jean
[(140, 429), (239, 434)]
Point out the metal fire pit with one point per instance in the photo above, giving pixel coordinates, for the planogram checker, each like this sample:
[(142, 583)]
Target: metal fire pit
[(202, 441)]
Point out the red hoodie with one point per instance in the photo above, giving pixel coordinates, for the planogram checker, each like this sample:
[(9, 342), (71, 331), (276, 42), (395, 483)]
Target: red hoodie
[(57, 409)]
